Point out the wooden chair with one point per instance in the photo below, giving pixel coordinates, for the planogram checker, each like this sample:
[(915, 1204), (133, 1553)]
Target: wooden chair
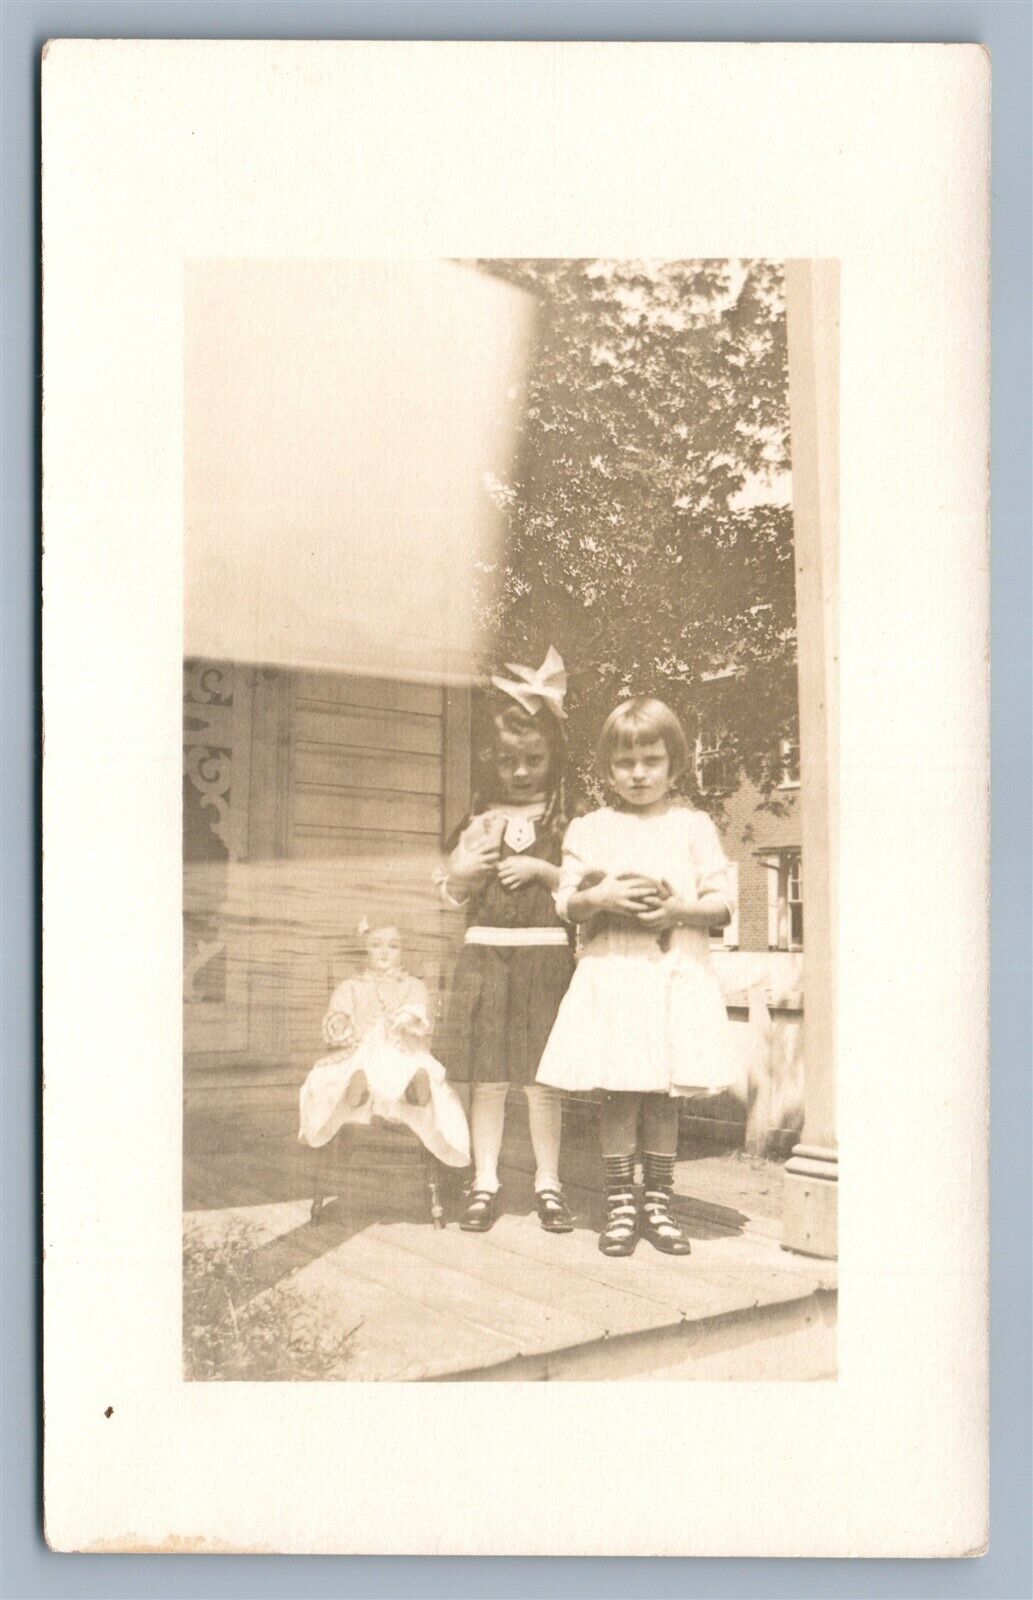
[(381, 1169)]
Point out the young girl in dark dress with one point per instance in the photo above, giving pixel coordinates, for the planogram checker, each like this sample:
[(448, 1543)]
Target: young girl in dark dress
[(516, 959)]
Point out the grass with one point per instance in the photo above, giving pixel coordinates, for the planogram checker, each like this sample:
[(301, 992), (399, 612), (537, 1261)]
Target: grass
[(237, 1328)]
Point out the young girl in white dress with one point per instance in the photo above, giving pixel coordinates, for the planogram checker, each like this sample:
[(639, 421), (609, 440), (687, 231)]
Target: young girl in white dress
[(644, 1018), (378, 1024)]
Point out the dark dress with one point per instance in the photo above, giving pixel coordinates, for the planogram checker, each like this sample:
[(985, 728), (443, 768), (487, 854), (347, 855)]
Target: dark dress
[(504, 998)]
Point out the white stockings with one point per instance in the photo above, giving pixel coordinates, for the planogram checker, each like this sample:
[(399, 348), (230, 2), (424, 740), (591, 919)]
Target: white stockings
[(488, 1120)]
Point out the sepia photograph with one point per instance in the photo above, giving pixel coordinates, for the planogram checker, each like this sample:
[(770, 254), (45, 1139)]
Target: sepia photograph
[(514, 657), (508, 710)]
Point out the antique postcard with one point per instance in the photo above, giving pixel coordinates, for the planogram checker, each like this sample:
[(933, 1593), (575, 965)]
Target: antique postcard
[(515, 817)]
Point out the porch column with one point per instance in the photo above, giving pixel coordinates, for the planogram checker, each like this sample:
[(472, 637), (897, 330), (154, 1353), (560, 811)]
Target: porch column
[(809, 1209)]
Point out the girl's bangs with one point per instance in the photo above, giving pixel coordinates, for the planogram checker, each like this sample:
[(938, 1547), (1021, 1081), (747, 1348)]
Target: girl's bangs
[(638, 731)]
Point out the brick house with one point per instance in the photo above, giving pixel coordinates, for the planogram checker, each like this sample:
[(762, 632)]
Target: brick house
[(759, 956)]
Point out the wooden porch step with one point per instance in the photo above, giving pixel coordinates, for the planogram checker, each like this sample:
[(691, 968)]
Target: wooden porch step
[(521, 1304), (790, 1341)]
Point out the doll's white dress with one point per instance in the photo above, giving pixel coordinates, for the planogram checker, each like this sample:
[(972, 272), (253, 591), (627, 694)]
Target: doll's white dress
[(381, 1024), (643, 1013)]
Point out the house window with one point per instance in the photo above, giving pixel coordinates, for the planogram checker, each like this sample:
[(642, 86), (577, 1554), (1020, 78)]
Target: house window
[(789, 763), (715, 764), (794, 902), (785, 898)]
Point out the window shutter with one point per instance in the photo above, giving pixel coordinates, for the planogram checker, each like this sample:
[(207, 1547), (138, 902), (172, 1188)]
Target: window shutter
[(773, 876)]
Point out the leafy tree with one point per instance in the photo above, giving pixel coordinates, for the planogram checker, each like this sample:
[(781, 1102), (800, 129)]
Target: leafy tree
[(646, 537)]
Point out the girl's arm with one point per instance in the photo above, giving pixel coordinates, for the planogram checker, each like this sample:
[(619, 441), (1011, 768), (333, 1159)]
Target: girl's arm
[(576, 903), (622, 896), (572, 870), (582, 904), (707, 911), (549, 875), (713, 904), (473, 858)]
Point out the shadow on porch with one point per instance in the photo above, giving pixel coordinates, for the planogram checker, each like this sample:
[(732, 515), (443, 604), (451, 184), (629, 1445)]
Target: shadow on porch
[(519, 1304)]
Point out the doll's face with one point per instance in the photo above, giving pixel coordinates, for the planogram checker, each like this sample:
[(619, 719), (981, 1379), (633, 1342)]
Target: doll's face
[(521, 764), (384, 950)]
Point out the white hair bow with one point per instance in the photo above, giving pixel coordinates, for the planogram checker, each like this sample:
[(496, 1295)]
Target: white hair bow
[(534, 689)]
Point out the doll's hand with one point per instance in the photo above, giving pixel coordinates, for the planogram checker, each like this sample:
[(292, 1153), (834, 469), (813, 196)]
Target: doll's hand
[(516, 870), (410, 1021), (338, 1030)]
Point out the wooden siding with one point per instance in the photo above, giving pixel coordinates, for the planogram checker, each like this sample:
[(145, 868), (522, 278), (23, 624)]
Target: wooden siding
[(345, 820), (326, 724), (378, 694), (330, 808), (347, 769), (366, 785)]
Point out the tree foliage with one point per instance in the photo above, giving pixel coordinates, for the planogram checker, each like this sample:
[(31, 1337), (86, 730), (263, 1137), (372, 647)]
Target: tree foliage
[(646, 537)]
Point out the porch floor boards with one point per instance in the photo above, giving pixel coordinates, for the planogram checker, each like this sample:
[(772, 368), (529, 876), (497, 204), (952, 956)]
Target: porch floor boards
[(518, 1302)]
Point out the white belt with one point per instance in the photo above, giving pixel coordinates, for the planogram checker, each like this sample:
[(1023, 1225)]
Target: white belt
[(516, 936)]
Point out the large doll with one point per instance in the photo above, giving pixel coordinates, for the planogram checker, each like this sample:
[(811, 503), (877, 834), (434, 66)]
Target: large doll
[(377, 1025), (516, 960)]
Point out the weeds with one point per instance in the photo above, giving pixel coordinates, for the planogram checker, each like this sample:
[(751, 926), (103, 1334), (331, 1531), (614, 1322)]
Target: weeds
[(237, 1327)]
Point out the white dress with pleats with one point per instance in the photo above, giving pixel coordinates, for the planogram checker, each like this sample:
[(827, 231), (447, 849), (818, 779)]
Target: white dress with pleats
[(643, 1012)]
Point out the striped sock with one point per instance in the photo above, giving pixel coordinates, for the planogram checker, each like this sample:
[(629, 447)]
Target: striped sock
[(657, 1171), (620, 1171)]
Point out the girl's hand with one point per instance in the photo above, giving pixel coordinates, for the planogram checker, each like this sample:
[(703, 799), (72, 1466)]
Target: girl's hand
[(629, 896), (516, 870), (475, 860), (670, 913)]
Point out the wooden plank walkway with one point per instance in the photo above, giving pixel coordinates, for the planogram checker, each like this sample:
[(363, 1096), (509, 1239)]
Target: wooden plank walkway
[(517, 1302)]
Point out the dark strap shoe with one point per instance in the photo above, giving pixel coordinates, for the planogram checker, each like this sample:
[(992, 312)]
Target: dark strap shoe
[(659, 1227), (553, 1211), (481, 1212), (620, 1235)]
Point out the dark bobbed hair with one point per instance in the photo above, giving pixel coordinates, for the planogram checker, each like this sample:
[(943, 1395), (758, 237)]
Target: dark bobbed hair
[(639, 722)]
